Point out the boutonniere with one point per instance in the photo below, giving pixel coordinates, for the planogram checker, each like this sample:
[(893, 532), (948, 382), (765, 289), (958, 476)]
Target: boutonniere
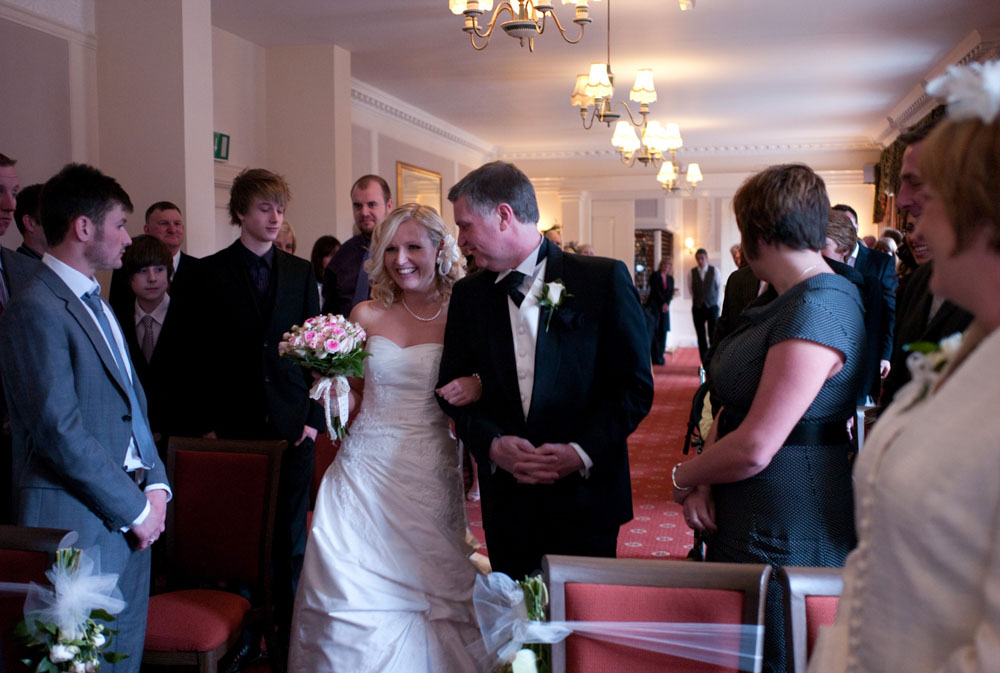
[(927, 361), (552, 297)]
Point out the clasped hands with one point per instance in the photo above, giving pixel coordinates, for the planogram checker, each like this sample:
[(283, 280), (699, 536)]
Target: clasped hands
[(544, 464), (147, 532)]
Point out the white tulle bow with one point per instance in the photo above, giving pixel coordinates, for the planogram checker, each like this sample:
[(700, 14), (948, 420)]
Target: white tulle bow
[(333, 391), (502, 616), (73, 595)]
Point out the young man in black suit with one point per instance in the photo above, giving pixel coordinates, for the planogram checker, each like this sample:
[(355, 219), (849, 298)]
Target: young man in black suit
[(563, 385), (245, 297)]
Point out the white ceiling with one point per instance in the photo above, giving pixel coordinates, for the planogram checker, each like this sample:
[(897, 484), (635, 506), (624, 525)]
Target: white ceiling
[(732, 73)]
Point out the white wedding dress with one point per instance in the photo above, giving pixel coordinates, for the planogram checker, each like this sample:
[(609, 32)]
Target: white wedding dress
[(387, 583)]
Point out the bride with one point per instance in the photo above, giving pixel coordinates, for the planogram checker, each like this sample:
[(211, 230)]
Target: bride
[(387, 581)]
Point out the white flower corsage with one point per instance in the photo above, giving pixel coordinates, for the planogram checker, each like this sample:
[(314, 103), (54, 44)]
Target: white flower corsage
[(447, 255), (927, 361), (971, 91), (552, 297)]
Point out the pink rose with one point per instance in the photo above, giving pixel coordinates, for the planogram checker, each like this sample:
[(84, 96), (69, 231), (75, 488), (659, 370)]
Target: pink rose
[(332, 346)]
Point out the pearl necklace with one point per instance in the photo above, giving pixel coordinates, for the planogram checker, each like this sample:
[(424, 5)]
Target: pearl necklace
[(410, 311)]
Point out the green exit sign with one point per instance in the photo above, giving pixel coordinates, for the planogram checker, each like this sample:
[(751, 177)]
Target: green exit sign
[(221, 146)]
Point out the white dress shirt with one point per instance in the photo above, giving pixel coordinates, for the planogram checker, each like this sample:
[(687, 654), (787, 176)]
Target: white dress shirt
[(159, 314)]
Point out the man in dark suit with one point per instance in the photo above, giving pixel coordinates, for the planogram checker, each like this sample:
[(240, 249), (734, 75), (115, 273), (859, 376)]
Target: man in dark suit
[(563, 385), (247, 296), (661, 291), (165, 222), (29, 223), (84, 458), (151, 331), (704, 287), (921, 315), (14, 273), (881, 269), (345, 282)]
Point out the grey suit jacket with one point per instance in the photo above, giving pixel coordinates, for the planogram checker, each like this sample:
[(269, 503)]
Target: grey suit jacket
[(69, 410)]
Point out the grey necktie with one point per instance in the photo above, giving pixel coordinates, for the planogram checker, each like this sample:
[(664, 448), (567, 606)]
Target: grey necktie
[(140, 426), (147, 337)]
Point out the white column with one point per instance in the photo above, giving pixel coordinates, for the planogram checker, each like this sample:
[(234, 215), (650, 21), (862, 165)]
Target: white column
[(154, 83)]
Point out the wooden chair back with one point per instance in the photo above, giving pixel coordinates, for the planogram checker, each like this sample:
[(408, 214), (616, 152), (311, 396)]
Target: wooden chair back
[(640, 590), (25, 554), (810, 601)]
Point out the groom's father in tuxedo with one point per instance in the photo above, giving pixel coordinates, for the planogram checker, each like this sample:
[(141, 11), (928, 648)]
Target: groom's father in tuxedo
[(562, 387), (84, 457)]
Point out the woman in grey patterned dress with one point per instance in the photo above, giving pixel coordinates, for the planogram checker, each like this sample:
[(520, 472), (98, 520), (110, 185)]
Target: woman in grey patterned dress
[(774, 482)]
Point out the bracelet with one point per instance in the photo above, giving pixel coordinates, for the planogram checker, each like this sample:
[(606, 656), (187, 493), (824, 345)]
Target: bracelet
[(476, 376), (673, 478)]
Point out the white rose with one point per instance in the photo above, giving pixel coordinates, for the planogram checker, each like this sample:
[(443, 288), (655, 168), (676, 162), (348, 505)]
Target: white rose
[(99, 640), (556, 291), (60, 653), (93, 666), (79, 667)]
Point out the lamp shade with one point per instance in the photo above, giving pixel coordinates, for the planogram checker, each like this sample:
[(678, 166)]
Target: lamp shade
[(598, 83), (667, 173), (694, 175), (580, 96), (459, 6), (625, 138), (674, 136), (643, 90), (654, 136)]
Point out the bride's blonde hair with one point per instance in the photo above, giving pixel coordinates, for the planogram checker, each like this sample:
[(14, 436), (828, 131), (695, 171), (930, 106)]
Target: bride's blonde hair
[(383, 288)]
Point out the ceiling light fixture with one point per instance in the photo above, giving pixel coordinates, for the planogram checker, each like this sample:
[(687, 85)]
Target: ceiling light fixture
[(670, 173), (527, 19)]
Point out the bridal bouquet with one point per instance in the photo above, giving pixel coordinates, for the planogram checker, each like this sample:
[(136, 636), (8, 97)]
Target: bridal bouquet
[(333, 347), (61, 623)]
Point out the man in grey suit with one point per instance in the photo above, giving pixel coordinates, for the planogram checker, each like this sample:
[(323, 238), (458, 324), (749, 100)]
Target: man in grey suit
[(83, 452), (704, 286)]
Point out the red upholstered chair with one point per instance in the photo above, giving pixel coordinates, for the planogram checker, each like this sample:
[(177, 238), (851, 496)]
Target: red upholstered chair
[(219, 529), (640, 590), (25, 555), (810, 597)]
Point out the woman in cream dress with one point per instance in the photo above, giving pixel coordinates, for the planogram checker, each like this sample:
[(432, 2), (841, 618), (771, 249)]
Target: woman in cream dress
[(922, 588)]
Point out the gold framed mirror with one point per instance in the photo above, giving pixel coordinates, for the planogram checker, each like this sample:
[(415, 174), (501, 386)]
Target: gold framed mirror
[(418, 185)]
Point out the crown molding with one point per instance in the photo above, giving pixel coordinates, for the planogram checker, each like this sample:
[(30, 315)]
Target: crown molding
[(976, 46), (375, 100), (706, 150), (58, 27)]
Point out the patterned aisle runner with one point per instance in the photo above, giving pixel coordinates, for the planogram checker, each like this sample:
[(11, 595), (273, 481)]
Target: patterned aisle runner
[(658, 529)]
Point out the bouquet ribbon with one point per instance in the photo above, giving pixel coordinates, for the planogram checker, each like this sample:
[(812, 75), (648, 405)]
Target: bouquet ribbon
[(502, 616), (324, 389)]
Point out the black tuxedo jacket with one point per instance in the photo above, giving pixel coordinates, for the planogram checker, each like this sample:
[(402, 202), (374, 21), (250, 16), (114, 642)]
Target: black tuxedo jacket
[(912, 325), (240, 387), (122, 299), (592, 385)]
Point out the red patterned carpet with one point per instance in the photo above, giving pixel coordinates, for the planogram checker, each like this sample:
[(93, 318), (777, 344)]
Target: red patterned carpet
[(658, 529)]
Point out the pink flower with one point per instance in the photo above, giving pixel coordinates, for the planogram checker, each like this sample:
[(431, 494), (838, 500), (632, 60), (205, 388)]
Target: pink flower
[(332, 346), (310, 335)]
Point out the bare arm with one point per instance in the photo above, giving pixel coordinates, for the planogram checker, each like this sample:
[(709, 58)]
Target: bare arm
[(794, 372)]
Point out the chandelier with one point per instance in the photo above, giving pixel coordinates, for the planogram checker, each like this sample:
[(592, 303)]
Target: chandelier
[(527, 19), (669, 175)]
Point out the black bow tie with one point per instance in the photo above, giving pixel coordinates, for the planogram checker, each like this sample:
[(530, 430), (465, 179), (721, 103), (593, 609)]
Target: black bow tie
[(511, 284)]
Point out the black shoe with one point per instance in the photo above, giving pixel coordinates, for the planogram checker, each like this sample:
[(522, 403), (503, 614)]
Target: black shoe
[(247, 653)]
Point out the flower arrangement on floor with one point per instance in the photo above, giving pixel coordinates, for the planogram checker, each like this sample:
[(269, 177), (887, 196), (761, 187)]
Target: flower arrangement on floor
[(333, 347), (62, 623)]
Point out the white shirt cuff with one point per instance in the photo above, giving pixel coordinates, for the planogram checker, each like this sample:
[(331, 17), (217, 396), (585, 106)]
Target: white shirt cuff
[(587, 462)]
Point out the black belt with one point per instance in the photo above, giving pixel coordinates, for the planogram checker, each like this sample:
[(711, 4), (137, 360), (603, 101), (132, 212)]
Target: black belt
[(803, 434)]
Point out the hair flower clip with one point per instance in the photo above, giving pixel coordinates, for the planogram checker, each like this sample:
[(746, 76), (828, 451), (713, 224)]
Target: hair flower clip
[(447, 255), (971, 91)]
